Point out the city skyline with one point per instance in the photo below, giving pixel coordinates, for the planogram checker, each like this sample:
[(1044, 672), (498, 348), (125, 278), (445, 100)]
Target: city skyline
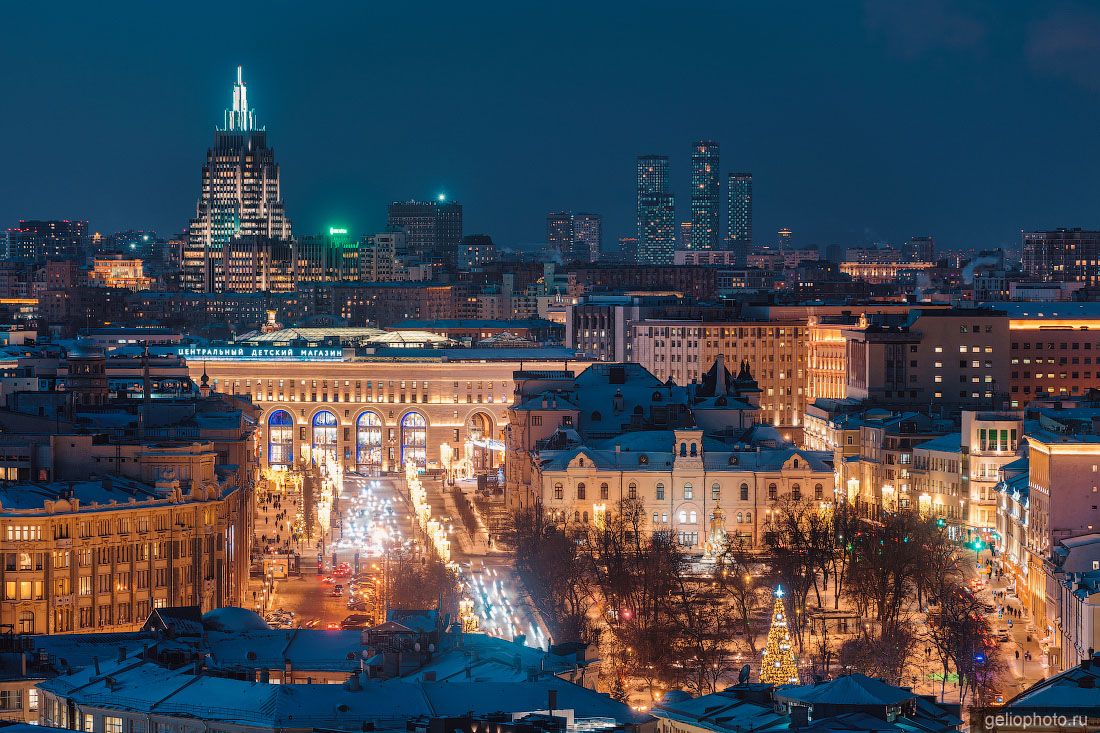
[(885, 112)]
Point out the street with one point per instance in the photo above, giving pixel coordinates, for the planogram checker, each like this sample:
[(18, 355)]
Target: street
[(374, 513)]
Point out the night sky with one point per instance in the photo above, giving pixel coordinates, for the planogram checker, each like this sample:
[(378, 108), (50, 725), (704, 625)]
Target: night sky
[(860, 121)]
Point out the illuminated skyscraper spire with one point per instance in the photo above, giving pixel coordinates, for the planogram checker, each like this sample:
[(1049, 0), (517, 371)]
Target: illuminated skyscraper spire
[(240, 118)]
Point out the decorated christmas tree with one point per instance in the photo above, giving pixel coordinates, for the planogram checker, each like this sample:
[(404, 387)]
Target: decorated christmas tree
[(779, 666)]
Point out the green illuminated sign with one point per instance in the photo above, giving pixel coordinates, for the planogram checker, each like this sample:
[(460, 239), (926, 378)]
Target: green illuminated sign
[(337, 230)]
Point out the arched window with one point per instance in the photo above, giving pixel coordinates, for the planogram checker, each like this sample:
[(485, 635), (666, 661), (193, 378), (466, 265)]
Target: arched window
[(683, 450), (689, 492), (655, 517), (368, 441), (796, 492), (740, 517), (715, 491), (280, 438), (694, 449), (796, 463), (748, 517), (693, 518), (683, 517), (576, 516), (773, 492), (660, 491), (632, 491), (819, 492), (324, 437), (580, 491), (744, 492), (559, 491), (414, 439), (584, 517), (603, 491)]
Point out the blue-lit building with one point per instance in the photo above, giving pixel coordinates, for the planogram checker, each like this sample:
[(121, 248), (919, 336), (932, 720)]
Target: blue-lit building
[(656, 211), (705, 200)]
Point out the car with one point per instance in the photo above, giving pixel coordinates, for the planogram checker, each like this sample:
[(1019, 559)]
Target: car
[(337, 590), (328, 580), (355, 605), (356, 621), (1003, 638)]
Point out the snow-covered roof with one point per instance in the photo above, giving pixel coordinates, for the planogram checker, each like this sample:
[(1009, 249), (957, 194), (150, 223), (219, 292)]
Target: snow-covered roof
[(851, 689), (147, 688), (1077, 690)]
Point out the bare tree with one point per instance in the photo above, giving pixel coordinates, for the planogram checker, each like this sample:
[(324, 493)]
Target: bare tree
[(737, 572), (959, 633), (554, 571), (875, 656)]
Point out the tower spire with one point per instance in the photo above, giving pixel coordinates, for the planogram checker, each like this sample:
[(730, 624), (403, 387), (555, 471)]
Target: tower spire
[(241, 118)]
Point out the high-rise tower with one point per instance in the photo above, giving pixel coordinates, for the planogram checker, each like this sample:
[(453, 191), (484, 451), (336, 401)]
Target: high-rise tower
[(433, 229), (705, 199), (587, 237), (656, 212), (739, 191), (240, 198)]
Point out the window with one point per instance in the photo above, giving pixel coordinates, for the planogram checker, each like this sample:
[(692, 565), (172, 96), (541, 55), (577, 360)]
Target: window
[(660, 491), (112, 724), (744, 492), (688, 539), (632, 491), (580, 491), (604, 491), (689, 492), (715, 491), (773, 492), (559, 491), (819, 492)]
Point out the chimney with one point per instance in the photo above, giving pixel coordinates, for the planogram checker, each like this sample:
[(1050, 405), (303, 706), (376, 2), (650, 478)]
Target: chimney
[(551, 701), (95, 661), (800, 716), (122, 654)]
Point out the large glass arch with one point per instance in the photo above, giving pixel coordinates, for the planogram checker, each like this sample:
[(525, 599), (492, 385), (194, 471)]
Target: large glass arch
[(414, 439), (479, 441), (280, 438), (324, 438), (368, 442)]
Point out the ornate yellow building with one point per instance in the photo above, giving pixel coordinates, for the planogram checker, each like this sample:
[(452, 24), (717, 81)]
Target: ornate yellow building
[(101, 553)]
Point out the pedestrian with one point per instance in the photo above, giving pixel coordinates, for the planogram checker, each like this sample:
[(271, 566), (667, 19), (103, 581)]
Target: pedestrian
[(1017, 654)]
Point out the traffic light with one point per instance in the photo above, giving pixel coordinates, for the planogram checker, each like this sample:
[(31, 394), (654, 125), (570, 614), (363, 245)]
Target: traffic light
[(941, 522)]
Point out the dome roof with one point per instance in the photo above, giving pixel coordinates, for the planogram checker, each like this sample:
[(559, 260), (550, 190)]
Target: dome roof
[(233, 618), (674, 696), (84, 349)]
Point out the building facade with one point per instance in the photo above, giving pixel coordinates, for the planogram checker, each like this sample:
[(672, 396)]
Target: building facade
[(444, 409), (1062, 255), (739, 194), (39, 241), (705, 197), (102, 553), (433, 229), (656, 210)]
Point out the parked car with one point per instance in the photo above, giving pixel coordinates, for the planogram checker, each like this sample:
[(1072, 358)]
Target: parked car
[(356, 621)]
